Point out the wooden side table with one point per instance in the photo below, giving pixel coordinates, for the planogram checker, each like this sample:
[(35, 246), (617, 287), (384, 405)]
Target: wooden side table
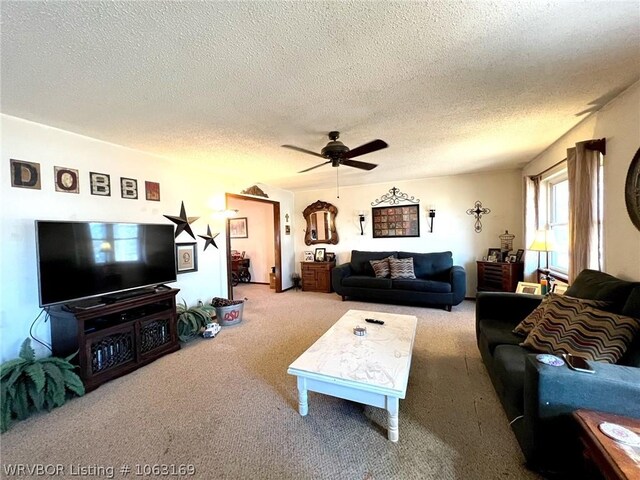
[(316, 276), (499, 276), (610, 458)]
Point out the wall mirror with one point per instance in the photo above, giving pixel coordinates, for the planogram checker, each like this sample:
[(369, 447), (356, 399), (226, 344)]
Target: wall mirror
[(321, 223)]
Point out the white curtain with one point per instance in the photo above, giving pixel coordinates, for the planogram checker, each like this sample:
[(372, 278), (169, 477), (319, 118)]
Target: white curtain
[(584, 216)]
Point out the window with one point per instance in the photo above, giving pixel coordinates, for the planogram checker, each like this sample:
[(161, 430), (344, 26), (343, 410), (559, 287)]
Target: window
[(554, 208), (558, 202)]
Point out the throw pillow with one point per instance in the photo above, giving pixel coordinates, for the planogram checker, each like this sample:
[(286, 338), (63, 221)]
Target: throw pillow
[(559, 301), (531, 320), (584, 331), (381, 267), (401, 268)]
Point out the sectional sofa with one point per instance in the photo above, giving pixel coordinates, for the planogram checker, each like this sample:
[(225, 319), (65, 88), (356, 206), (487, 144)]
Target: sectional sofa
[(539, 398)]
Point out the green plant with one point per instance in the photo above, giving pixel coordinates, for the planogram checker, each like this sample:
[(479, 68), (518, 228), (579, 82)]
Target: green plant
[(29, 384), (192, 320)]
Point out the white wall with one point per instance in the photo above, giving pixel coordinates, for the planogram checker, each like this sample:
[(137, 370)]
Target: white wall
[(201, 192), (619, 123), (259, 246), (500, 191)]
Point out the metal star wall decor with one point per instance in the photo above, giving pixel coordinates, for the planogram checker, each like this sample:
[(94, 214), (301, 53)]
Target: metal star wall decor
[(478, 211), (209, 239), (183, 222)]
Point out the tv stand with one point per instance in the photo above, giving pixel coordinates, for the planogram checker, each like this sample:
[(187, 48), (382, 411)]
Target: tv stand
[(116, 338)]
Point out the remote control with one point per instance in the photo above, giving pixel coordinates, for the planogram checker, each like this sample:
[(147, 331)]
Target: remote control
[(373, 320)]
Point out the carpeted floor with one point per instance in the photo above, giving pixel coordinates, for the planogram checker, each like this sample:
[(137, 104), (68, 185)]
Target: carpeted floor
[(227, 407)]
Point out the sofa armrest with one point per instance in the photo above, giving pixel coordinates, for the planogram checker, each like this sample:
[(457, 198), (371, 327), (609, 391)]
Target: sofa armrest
[(339, 273), (552, 391), (507, 307), (552, 394), (458, 280)]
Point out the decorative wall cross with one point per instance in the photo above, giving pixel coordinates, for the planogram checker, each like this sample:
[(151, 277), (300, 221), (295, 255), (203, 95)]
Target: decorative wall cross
[(478, 211)]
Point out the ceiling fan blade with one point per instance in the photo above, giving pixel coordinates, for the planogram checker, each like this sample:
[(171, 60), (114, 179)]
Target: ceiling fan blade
[(298, 149), (316, 166), (366, 148), (358, 164)]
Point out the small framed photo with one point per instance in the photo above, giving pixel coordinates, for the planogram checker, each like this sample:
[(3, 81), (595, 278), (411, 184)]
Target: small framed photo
[(186, 257), (308, 257), (512, 259), (330, 257), (319, 255), (238, 228), (559, 287), (519, 255), (527, 287), (495, 252)]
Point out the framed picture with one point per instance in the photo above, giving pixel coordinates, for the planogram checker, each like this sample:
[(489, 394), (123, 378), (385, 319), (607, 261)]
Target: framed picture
[(389, 222), (186, 257), (519, 255), (308, 257), (100, 184), (512, 259), (320, 253), (495, 252), (527, 287), (238, 228), (129, 188), (559, 287), (152, 191), (330, 257)]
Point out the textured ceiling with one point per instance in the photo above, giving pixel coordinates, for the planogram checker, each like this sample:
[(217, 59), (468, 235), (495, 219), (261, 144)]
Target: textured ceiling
[(452, 86)]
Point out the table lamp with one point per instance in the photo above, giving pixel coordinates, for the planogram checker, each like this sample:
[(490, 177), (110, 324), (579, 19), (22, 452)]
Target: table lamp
[(544, 241)]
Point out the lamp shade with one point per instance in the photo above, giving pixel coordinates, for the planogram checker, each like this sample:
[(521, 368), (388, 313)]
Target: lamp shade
[(544, 241)]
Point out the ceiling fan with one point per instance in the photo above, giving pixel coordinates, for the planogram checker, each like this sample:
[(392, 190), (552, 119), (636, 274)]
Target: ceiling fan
[(337, 153)]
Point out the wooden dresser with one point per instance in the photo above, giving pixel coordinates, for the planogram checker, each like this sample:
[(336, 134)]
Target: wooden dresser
[(499, 276), (316, 276)]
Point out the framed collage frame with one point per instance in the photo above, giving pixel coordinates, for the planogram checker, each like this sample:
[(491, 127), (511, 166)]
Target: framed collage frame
[(390, 222)]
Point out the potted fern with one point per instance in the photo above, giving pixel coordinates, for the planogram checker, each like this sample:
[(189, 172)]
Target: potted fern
[(29, 384), (192, 320)]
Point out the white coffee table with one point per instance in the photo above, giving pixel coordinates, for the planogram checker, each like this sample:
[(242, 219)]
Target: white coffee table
[(372, 369)]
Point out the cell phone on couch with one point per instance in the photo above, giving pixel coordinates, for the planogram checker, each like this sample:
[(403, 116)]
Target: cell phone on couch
[(579, 364)]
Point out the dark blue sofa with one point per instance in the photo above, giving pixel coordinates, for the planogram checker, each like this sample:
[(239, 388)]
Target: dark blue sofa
[(539, 399), (438, 282)]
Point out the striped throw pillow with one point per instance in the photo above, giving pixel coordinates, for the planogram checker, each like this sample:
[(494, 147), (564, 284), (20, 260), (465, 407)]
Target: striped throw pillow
[(582, 330), (525, 326), (401, 268), (381, 267)]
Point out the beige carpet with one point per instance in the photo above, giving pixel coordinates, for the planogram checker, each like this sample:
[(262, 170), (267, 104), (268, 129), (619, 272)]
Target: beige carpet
[(227, 406)]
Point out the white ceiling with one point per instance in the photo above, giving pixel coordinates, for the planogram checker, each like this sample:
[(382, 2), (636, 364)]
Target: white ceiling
[(452, 86)]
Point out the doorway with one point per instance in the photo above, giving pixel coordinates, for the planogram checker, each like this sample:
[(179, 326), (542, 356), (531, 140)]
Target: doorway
[(231, 199)]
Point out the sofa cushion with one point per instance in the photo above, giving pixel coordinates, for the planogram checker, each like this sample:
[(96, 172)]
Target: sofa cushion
[(419, 285), (380, 267), (430, 265), (631, 308), (365, 281), (401, 268), (497, 333), (509, 366), (524, 327), (584, 331), (597, 285), (360, 261)]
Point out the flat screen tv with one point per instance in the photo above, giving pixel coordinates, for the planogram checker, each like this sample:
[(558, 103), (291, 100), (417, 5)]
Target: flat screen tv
[(80, 260)]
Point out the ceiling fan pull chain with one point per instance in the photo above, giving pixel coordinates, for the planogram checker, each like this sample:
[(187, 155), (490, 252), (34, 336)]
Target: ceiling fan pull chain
[(337, 183)]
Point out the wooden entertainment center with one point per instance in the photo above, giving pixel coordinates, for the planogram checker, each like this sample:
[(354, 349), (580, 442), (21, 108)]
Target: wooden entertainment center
[(113, 339)]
